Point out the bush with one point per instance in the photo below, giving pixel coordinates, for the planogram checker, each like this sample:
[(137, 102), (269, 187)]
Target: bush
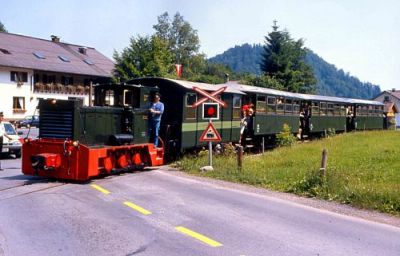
[(285, 137), (331, 132)]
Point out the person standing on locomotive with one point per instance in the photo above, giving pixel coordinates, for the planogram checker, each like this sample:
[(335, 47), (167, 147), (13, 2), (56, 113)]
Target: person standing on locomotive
[(155, 112)]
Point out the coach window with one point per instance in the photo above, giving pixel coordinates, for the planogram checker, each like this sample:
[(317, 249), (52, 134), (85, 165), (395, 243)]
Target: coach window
[(296, 106), (288, 106), (359, 111), (315, 108), (237, 103), (261, 106), (322, 109), (365, 110), (336, 110), (280, 107), (271, 105), (330, 109), (371, 110), (342, 110), (191, 98)]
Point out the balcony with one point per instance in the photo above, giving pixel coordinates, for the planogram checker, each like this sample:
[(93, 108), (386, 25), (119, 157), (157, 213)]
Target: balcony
[(61, 89)]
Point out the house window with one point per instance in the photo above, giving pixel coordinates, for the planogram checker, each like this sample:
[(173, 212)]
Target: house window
[(64, 58), (39, 55), (19, 76), (67, 80), (88, 61), (18, 103)]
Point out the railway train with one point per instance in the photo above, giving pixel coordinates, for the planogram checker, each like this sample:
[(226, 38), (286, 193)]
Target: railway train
[(79, 142)]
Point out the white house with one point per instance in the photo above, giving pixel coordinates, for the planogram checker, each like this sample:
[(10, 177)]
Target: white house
[(392, 96), (33, 68)]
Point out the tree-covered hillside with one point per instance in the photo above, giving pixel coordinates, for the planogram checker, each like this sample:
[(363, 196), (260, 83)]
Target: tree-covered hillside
[(330, 80)]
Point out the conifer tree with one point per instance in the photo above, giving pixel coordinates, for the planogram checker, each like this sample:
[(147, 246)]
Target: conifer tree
[(283, 60), (2, 28)]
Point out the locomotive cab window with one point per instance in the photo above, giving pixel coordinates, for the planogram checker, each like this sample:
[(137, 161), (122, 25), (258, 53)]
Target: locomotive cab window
[(191, 98), (131, 98), (104, 97)]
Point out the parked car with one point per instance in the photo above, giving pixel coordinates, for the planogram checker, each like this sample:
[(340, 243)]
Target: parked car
[(28, 121), (14, 145)]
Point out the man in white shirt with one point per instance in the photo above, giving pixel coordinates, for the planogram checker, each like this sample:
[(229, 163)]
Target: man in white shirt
[(2, 134)]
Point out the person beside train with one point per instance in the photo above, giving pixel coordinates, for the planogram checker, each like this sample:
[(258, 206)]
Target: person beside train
[(155, 112), (246, 123), (2, 134)]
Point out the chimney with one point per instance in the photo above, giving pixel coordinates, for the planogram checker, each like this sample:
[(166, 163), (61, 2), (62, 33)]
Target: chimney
[(82, 50), (55, 39), (393, 89)]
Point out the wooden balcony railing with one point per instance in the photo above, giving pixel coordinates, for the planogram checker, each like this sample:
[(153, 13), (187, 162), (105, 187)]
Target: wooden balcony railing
[(61, 89)]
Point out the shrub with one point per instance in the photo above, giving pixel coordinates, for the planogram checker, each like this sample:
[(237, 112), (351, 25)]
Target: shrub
[(285, 137)]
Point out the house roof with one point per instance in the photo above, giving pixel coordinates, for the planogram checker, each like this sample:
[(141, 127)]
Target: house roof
[(20, 52), (394, 93)]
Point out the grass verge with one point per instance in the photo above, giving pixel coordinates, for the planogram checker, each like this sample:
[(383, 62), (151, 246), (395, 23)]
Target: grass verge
[(363, 169)]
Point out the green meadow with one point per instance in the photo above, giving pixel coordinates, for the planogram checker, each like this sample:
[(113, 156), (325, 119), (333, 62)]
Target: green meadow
[(363, 169)]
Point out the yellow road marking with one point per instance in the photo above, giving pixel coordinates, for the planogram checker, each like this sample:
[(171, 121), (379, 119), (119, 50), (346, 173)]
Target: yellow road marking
[(198, 236), (102, 190), (137, 208)]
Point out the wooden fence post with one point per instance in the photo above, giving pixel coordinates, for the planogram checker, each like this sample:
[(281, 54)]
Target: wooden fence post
[(324, 160), (239, 156)]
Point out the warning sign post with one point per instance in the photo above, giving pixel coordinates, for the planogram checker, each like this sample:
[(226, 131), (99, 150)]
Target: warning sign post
[(210, 111)]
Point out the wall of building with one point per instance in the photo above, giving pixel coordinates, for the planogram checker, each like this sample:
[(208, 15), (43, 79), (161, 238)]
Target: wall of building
[(396, 101), (10, 89)]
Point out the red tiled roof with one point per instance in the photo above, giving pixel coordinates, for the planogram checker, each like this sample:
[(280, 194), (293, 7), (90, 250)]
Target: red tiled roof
[(21, 50)]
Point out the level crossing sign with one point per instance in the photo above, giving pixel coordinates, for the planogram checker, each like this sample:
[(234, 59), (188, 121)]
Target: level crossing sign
[(210, 96), (210, 134)]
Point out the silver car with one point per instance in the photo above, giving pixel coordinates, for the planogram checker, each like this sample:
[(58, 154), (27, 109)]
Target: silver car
[(14, 145)]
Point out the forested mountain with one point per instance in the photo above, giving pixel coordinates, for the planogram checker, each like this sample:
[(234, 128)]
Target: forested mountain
[(331, 81)]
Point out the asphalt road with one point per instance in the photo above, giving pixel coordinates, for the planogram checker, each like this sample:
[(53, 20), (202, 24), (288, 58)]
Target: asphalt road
[(160, 212)]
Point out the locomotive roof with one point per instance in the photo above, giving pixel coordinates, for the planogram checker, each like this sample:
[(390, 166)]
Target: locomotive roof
[(185, 84), (300, 96)]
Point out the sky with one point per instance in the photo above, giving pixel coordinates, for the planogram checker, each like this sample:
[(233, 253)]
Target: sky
[(362, 37)]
